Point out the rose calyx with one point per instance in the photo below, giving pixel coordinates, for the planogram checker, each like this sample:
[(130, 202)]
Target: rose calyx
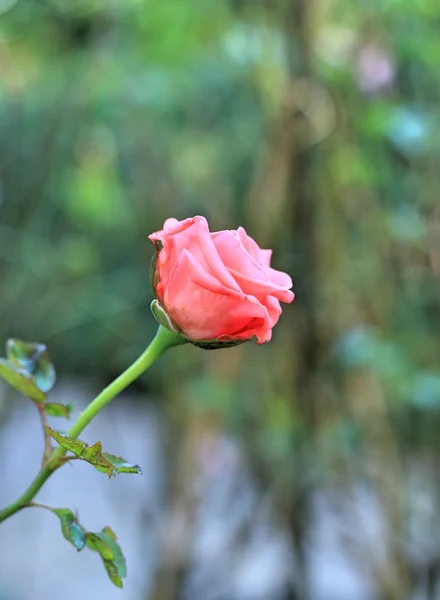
[(161, 316)]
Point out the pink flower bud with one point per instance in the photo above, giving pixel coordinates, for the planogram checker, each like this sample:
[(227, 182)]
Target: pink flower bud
[(216, 287)]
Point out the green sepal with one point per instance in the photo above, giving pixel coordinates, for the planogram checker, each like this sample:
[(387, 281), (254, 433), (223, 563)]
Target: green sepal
[(216, 344), (154, 273), (163, 319), (161, 316)]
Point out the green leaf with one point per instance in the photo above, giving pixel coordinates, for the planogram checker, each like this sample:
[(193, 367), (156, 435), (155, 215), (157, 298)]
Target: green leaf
[(72, 530), (109, 533), (95, 457), (102, 461), (34, 359), (24, 354), (20, 380), (105, 544), (53, 409), (118, 556), (96, 542), (113, 573), (92, 453), (75, 446), (120, 465)]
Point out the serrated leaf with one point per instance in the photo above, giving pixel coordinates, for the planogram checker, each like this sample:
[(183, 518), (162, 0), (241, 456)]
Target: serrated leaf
[(102, 461), (24, 354), (20, 380), (92, 453), (74, 446), (53, 409), (34, 359), (120, 465), (105, 544), (96, 542), (109, 533), (113, 573), (118, 556), (72, 530)]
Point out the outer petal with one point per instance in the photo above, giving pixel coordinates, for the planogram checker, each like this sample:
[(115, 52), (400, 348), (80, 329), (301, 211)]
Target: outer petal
[(262, 288), (264, 332), (274, 309), (235, 255), (171, 227), (172, 238), (257, 329), (252, 278), (193, 235), (212, 257), (279, 278), (261, 256), (201, 277), (203, 308)]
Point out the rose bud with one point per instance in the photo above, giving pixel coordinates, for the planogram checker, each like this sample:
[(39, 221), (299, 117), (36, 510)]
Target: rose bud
[(216, 289)]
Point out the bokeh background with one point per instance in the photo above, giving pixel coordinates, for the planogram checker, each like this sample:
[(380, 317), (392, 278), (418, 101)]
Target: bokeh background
[(306, 469)]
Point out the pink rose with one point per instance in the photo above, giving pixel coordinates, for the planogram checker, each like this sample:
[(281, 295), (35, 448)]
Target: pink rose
[(217, 286)]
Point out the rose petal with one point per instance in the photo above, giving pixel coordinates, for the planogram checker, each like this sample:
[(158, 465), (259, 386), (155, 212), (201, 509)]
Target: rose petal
[(261, 256), (261, 289), (212, 257), (274, 309), (211, 314), (234, 255), (171, 227), (175, 236), (192, 234), (218, 285), (279, 278), (252, 278), (255, 328), (265, 257), (203, 278)]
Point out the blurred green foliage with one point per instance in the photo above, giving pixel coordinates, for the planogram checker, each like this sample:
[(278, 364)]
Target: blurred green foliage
[(313, 124), (113, 116)]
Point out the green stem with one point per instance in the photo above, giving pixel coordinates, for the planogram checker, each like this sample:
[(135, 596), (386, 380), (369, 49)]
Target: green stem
[(163, 340)]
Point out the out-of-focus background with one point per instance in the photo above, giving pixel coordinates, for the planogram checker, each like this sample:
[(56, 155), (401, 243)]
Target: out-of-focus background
[(307, 469)]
